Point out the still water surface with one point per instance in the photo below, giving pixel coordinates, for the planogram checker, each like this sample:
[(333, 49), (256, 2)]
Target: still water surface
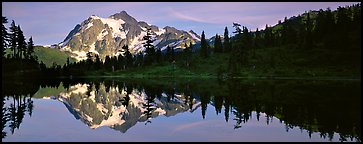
[(181, 110)]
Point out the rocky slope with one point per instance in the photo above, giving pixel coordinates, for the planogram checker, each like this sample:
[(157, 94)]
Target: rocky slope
[(106, 36)]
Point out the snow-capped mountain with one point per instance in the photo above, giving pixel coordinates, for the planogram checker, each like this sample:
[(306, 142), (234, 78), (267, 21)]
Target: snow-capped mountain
[(106, 36), (104, 107)]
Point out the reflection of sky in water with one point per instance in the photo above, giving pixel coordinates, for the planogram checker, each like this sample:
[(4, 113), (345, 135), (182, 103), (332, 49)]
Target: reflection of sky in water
[(51, 121)]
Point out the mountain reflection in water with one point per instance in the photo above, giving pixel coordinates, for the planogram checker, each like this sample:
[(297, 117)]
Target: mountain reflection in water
[(326, 107)]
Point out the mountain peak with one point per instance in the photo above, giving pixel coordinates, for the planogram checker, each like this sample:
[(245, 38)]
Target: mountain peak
[(123, 15), (105, 36), (123, 12)]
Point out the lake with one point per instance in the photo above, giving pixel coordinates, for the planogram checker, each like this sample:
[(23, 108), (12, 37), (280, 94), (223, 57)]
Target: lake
[(115, 109)]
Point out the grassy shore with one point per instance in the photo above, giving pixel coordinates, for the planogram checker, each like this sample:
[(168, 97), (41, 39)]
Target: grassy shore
[(216, 66)]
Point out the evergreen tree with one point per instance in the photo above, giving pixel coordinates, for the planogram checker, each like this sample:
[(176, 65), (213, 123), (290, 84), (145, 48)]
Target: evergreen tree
[(139, 59), (120, 62), (268, 37), (226, 44), (5, 36), (68, 62), (98, 62), (158, 55), (283, 39), (319, 29), (30, 48), (342, 27), (257, 40), (128, 57), (13, 38), (150, 49), (204, 49), (108, 63), (190, 48), (113, 63), (21, 43), (356, 23), (246, 38), (170, 53), (330, 27), (237, 56), (218, 48), (89, 60), (291, 33), (187, 54), (308, 29)]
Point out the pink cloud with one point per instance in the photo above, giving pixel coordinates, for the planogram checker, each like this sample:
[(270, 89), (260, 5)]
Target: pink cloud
[(188, 17)]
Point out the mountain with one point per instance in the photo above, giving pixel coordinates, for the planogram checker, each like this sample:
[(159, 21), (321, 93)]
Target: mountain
[(106, 36)]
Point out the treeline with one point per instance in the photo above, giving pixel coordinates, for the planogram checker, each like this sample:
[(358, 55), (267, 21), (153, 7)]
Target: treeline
[(315, 39), (320, 38), (20, 60)]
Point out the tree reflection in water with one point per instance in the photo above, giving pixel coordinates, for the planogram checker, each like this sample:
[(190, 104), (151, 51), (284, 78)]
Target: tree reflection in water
[(316, 106)]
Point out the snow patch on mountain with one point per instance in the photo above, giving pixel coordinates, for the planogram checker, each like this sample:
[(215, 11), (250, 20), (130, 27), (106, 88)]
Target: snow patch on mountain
[(116, 25), (193, 36), (156, 42), (89, 25), (62, 44), (93, 48), (137, 43), (160, 32), (81, 55)]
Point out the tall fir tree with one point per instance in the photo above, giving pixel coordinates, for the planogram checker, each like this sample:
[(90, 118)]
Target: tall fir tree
[(319, 30), (268, 37), (218, 44), (237, 56), (170, 53), (21, 43), (30, 48), (120, 62), (257, 41), (4, 36), (226, 43), (13, 38), (98, 62), (149, 47), (187, 54), (308, 42), (158, 55), (139, 59), (128, 57), (204, 48)]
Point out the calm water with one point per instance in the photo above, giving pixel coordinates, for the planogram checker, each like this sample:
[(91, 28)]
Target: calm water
[(181, 110)]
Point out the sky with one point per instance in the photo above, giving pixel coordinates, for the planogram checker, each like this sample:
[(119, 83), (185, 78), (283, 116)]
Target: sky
[(50, 22)]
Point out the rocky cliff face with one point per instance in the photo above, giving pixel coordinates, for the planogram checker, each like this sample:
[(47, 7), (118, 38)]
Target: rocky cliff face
[(106, 36)]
